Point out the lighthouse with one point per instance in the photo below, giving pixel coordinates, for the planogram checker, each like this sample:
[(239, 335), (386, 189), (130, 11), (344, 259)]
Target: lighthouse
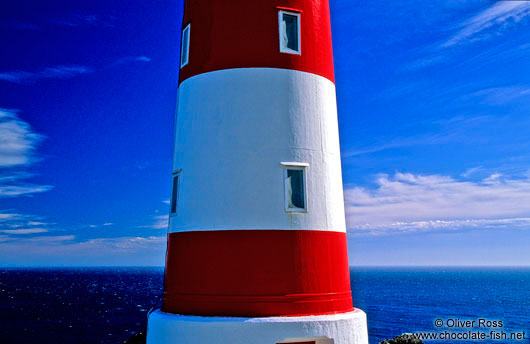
[(257, 237)]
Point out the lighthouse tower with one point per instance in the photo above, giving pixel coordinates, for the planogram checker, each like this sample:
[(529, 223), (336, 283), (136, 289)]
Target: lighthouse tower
[(257, 245)]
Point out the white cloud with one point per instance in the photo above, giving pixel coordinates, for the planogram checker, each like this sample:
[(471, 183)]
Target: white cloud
[(128, 59), (17, 233), (42, 241), (50, 239), (20, 190), (24, 231), (400, 142), (407, 202), (450, 130), (36, 223), (106, 224), (161, 222), (67, 250), (4, 217), (55, 72), (17, 140), (79, 20), (18, 143), (123, 243), (501, 95), (432, 225), (14, 220), (61, 71), (14, 224), (471, 171), (68, 243), (494, 19)]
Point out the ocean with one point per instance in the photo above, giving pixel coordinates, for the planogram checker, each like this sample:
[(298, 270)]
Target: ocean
[(108, 305)]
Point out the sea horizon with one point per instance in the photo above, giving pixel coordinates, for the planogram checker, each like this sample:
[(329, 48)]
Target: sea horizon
[(107, 304)]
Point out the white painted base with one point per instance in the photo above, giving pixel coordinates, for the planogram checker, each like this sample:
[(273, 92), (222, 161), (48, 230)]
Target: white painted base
[(345, 328)]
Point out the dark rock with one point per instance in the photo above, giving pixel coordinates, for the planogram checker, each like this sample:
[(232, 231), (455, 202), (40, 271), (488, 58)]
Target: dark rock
[(405, 338), (137, 338)]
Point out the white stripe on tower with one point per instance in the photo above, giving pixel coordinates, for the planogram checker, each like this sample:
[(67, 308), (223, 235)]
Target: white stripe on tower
[(235, 127)]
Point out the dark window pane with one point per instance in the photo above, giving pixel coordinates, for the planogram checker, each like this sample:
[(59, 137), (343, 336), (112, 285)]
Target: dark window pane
[(291, 31), (174, 195), (184, 48), (295, 189)]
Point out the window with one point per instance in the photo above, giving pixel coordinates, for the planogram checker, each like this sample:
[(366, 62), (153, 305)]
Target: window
[(289, 32), (175, 193), (185, 46), (295, 187)]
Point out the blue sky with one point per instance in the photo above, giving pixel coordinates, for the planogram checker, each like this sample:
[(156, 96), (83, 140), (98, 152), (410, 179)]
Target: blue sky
[(433, 96)]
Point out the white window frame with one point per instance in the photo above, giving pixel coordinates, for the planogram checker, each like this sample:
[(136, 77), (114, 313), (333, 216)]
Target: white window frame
[(294, 166), (175, 197), (186, 31), (299, 20)]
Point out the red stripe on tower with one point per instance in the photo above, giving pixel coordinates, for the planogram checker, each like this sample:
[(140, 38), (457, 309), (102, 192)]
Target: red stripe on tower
[(257, 273), (241, 34)]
